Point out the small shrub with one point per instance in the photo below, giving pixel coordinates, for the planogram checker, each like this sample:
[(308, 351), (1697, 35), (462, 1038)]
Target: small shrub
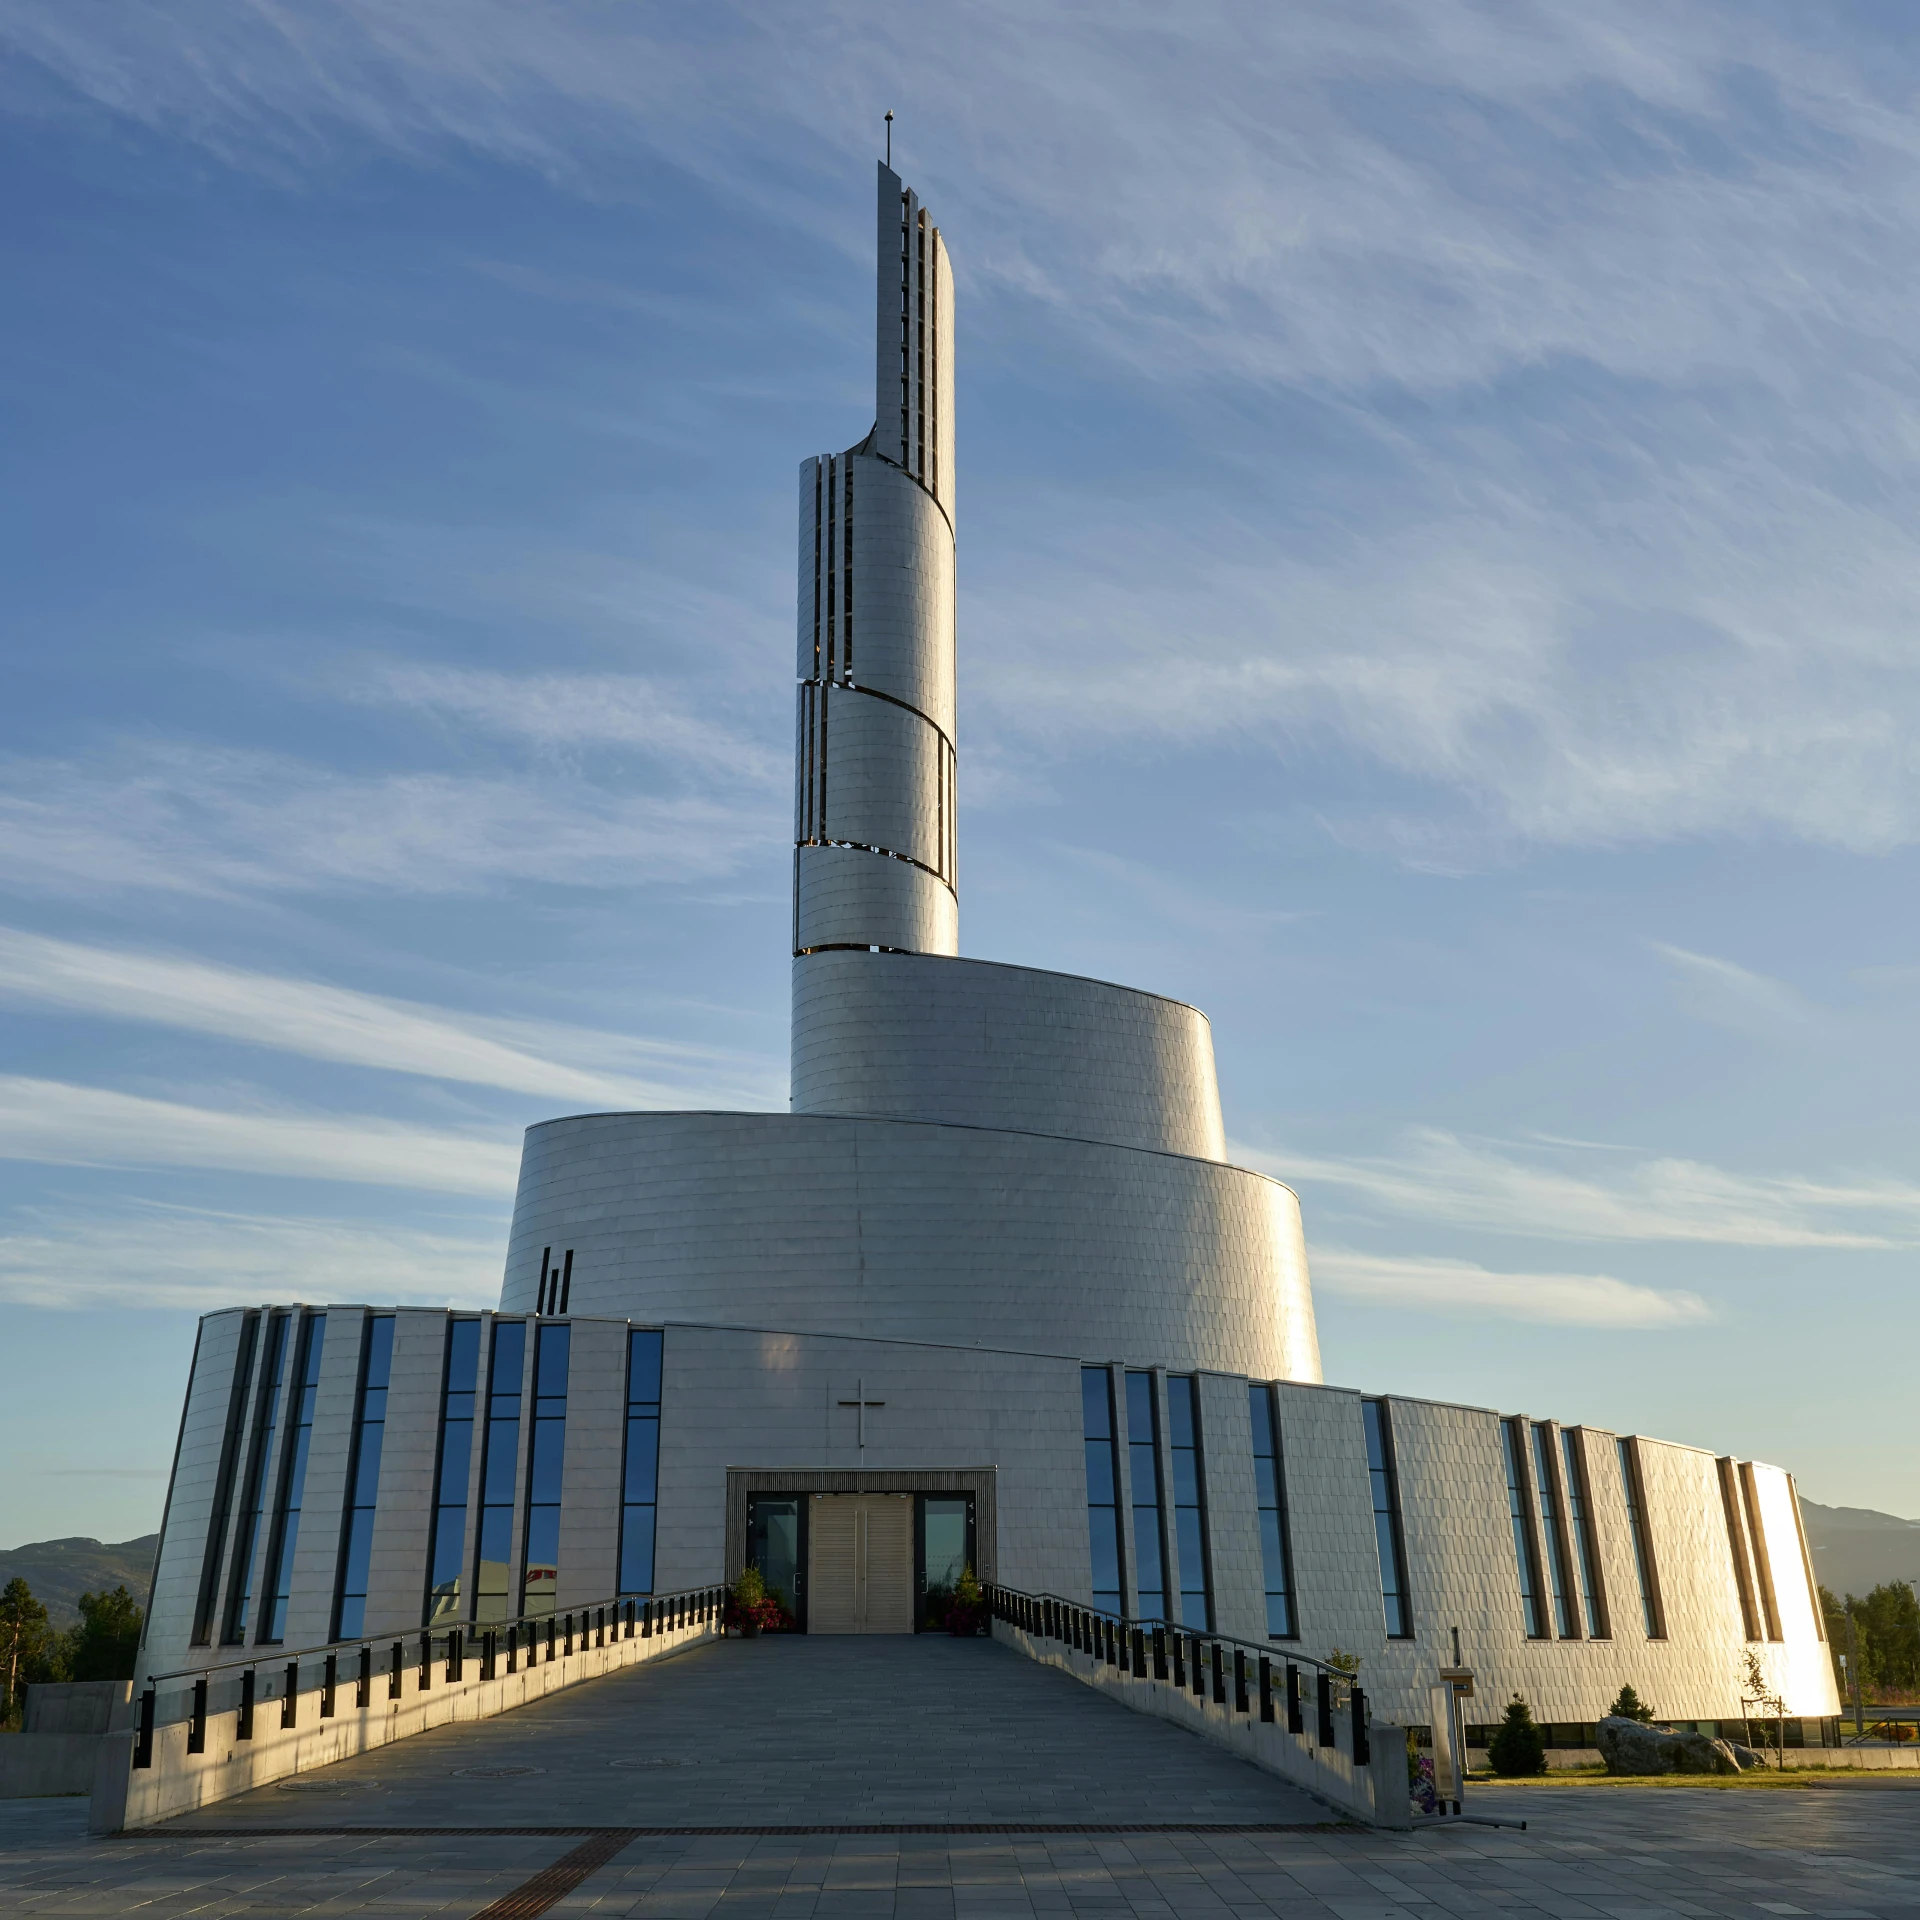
[(1629, 1706), (1518, 1746)]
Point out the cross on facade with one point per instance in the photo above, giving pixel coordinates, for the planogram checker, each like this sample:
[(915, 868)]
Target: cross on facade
[(860, 1403)]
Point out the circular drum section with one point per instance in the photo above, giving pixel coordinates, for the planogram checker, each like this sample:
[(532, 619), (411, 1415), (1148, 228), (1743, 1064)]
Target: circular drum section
[(923, 1037), (911, 1231)]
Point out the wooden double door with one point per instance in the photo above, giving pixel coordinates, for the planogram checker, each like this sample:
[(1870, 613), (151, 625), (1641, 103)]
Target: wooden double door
[(860, 1563)]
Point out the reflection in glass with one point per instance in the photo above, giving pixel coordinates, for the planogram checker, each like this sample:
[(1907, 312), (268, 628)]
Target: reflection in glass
[(1103, 1481), (1143, 1464), (1522, 1540), (450, 1483), (1270, 1496), (499, 1466), (1544, 1488), (1586, 1559), (1386, 1520), (363, 1479), (1189, 1505), (545, 1469), (944, 1554), (252, 1515), (773, 1545), (640, 1484)]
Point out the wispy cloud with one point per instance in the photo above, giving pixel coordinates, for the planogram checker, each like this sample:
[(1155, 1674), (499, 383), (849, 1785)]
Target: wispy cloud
[(59, 1124), (211, 821), (1731, 995), (1459, 1287), (1439, 1176), (321, 1022), (200, 1259)]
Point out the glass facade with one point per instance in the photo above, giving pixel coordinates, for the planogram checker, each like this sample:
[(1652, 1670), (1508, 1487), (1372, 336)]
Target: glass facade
[(1545, 1489), (1189, 1503), (1270, 1493), (1522, 1536), (1385, 1481), (1103, 1487), (774, 1544), (1586, 1556), (293, 1479), (1143, 1463), (207, 1604), (640, 1486), (499, 1471), (546, 1468), (363, 1479), (450, 1481), (253, 1510), (1642, 1546)]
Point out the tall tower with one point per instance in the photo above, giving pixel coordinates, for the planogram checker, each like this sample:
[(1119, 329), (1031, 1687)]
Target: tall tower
[(874, 840)]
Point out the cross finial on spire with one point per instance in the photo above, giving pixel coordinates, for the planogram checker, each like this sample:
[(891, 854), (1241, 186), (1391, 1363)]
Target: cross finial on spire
[(889, 136)]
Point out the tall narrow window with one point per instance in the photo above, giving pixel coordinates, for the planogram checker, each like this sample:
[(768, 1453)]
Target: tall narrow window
[(1103, 1487), (1644, 1567), (456, 1461), (1586, 1556), (1189, 1503), (1143, 1460), (232, 1440), (253, 1511), (293, 1482), (1546, 1488), (499, 1468), (1513, 1445), (1385, 1481), (641, 1484), (545, 1470), (363, 1479), (1270, 1493)]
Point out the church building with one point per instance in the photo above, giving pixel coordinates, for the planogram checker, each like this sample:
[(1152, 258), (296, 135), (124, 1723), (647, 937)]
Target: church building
[(989, 1296)]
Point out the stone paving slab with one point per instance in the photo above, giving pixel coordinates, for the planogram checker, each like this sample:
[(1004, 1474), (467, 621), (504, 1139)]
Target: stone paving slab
[(792, 1731)]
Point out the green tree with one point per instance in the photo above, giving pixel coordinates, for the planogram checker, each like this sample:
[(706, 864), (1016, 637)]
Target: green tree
[(1629, 1706), (23, 1638), (1889, 1623), (1517, 1746), (106, 1643)]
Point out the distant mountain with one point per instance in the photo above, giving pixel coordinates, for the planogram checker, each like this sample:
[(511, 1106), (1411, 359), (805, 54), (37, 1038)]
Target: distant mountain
[(60, 1571), (1856, 1549)]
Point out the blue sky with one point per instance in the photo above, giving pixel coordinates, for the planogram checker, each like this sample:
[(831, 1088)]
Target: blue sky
[(1438, 591)]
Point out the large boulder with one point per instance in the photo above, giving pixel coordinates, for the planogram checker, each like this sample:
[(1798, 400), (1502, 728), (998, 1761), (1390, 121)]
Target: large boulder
[(1628, 1747)]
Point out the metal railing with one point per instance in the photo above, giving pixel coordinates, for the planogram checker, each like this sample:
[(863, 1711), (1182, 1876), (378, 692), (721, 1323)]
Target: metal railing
[(1237, 1673), (532, 1639)]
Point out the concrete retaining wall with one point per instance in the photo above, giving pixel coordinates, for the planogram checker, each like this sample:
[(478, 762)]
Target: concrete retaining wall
[(125, 1796)]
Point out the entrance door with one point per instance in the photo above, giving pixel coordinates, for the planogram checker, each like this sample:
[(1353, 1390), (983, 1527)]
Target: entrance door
[(860, 1563)]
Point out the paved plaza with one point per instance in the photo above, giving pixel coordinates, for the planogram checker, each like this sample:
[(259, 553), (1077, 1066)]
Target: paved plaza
[(928, 1733)]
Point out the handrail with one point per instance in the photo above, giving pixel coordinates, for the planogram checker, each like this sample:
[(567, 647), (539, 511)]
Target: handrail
[(633, 1616), (1124, 1643)]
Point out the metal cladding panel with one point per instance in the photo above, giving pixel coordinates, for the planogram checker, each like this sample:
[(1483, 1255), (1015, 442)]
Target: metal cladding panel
[(888, 783), (910, 1036), (848, 897), (409, 1453), (903, 606), (316, 1562), (904, 1230), (591, 1474), (191, 1496)]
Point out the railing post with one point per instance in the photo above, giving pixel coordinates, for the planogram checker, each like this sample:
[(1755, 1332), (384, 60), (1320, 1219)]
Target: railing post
[(1362, 1746), (486, 1654), (646, 1620), (143, 1741), (1240, 1681), (1139, 1654), (363, 1690), (568, 1647), (513, 1648), (550, 1639), (1266, 1689), (1296, 1713), (1219, 1675), (243, 1720), (329, 1682), (1179, 1640), (1160, 1651), (426, 1661), (396, 1670), (197, 1727), (1325, 1705), (456, 1655), (1199, 1669), (290, 1699)]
